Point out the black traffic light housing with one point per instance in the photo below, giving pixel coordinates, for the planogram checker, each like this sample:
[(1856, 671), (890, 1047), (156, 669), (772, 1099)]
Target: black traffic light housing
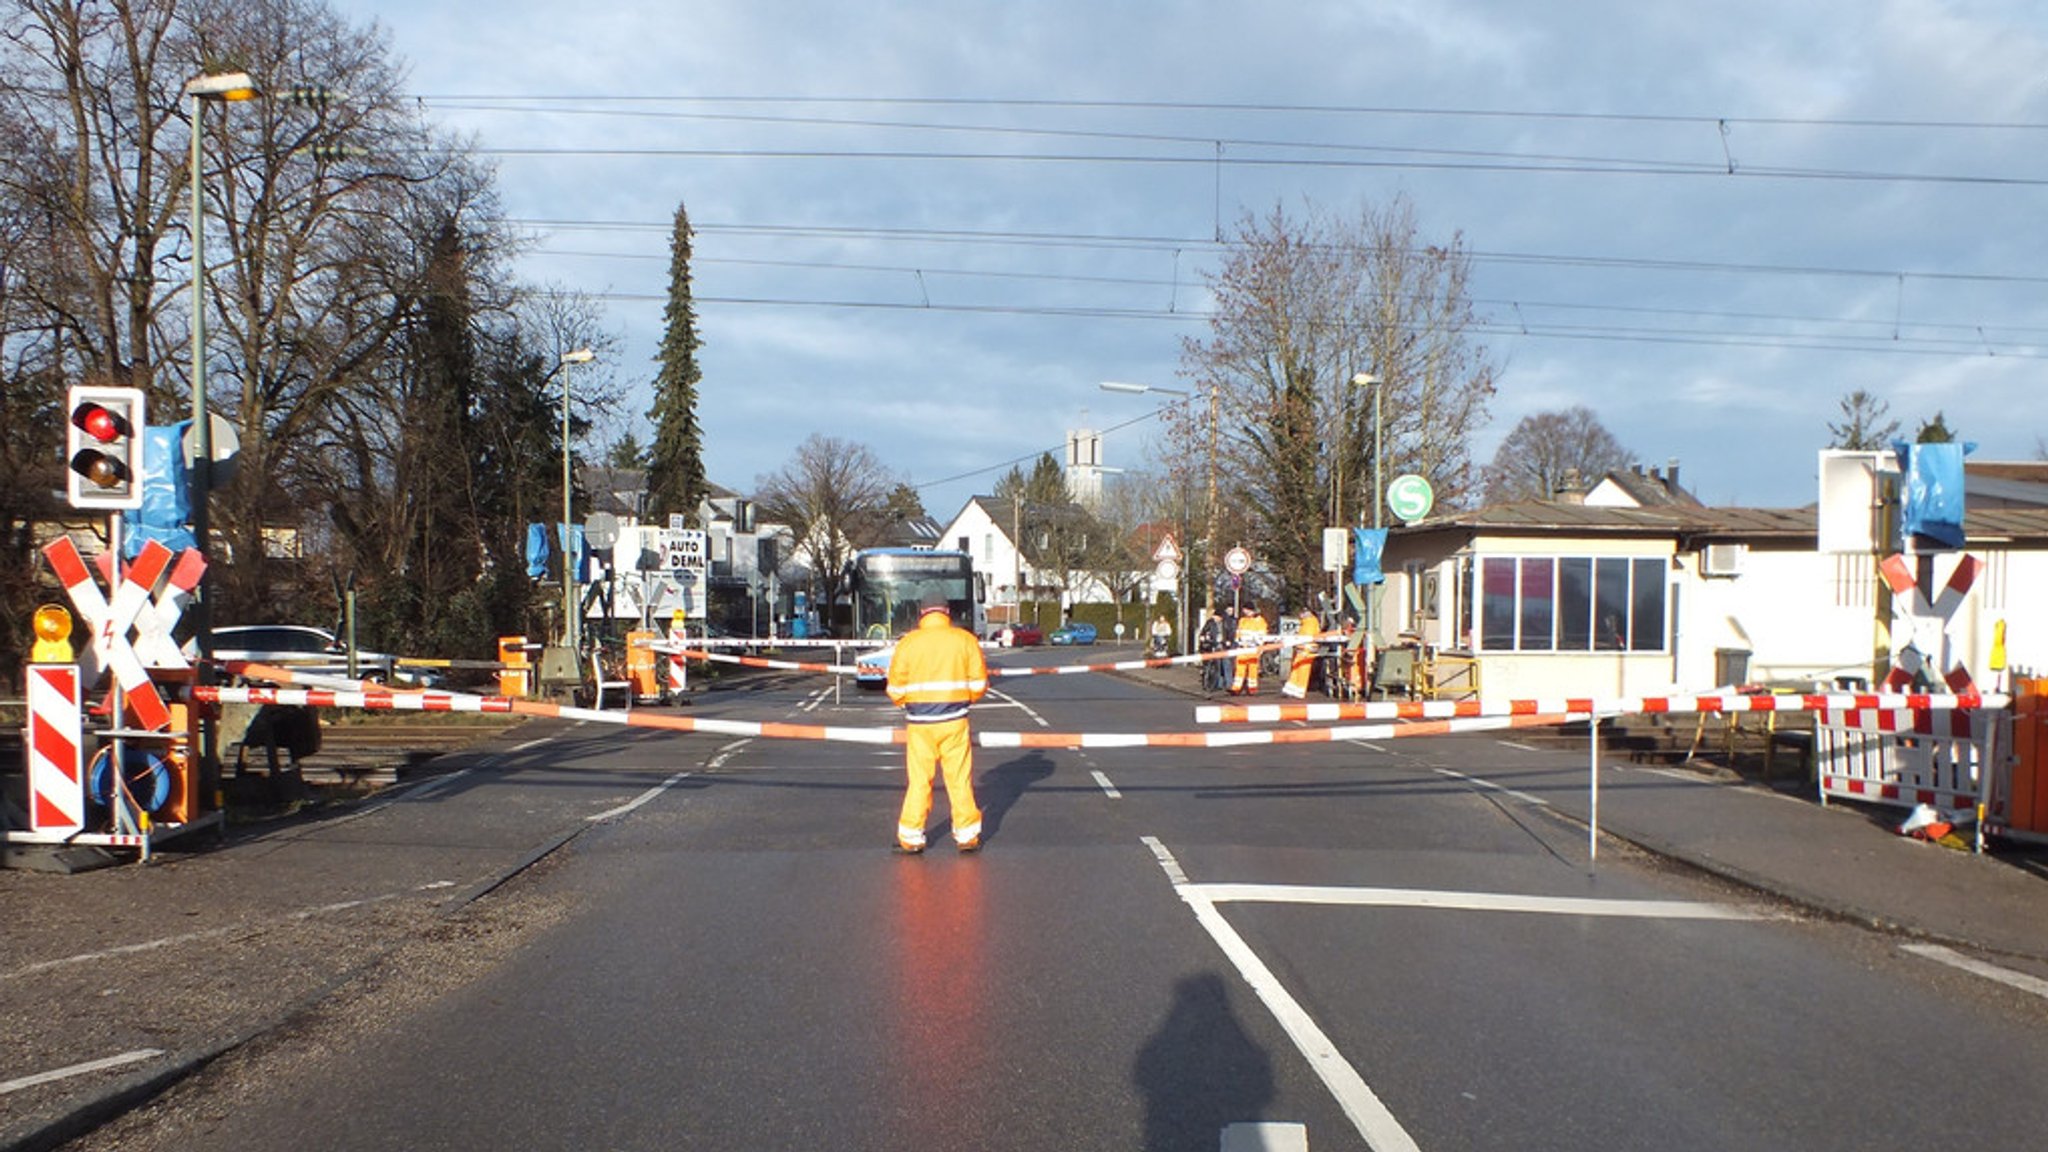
[(103, 447)]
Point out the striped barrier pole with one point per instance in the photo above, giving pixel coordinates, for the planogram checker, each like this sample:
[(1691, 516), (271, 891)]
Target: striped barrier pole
[(458, 702), (994, 671), (1613, 706)]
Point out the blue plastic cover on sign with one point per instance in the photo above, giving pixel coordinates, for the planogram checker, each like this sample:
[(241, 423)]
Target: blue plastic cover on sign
[(166, 502), (1931, 506), (1369, 544), (537, 551)]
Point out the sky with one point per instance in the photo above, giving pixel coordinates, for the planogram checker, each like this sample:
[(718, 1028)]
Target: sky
[(934, 228)]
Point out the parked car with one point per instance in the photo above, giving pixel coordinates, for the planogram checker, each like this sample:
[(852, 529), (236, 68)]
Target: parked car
[(871, 669), (312, 650), (1074, 634), (1019, 635)]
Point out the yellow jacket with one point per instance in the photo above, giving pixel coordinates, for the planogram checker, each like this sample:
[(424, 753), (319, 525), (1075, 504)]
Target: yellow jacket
[(937, 671)]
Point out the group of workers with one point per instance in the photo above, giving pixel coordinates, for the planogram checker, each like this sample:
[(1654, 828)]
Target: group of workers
[(1244, 631)]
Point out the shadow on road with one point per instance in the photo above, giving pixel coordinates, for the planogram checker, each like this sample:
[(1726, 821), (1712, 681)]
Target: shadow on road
[(1200, 1072), (1002, 786)]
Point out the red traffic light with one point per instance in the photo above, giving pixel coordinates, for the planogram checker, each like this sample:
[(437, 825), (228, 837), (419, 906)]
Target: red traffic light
[(104, 447), (100, 422)]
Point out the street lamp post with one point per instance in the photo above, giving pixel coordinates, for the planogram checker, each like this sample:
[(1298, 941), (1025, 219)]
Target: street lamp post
[(572, 632), (224, 87), (1379, 387), (1208, 579)]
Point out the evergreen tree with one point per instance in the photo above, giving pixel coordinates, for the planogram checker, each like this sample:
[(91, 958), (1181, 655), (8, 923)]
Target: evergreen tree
[(1935, 431), (1864, 427), (676, 458)]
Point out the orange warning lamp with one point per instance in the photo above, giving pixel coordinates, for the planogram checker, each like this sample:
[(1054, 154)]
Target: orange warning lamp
[(52, 625)]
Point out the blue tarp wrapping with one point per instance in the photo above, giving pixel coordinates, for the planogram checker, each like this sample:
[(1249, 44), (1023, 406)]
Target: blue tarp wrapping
[(538, 553), (1369, 544), (1931, 505), (166, 501)]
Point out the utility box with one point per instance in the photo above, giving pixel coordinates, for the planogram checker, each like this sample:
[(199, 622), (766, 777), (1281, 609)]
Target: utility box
[(514, 668), (559, 672)]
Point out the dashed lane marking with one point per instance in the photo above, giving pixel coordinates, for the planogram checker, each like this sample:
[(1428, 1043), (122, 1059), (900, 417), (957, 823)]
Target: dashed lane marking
[(1490, 786), (643, 798), (2006, 976), (55, 1074), (1108, 788)]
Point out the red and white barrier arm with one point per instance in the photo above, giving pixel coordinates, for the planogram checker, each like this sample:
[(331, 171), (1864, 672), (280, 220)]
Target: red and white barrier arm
[(1615, 706), (458, 702), (994, 671)]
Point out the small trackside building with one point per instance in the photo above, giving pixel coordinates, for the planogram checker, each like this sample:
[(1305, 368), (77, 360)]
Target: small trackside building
[(1565, 597)]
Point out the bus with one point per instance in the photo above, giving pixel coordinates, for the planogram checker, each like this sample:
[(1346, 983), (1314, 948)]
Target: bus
[(884, 586)]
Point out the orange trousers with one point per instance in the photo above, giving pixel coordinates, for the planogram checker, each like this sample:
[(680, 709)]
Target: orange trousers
[(945, 745), (1299, 672), (1247, 678)]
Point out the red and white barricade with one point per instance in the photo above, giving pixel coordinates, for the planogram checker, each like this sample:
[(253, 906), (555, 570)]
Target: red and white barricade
[(1909, 758)]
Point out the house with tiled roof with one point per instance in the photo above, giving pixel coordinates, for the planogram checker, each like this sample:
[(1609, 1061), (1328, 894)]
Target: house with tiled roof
[(1650, 591)]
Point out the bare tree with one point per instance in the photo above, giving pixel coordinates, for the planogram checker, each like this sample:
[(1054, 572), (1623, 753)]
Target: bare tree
[(1545, 448), (1303, 308), (1863, 427), (834, 496)]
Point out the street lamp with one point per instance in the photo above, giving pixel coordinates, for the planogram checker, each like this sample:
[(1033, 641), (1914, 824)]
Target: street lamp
[(1379, 387), (225, 88), (571, 629), (1208, 581)]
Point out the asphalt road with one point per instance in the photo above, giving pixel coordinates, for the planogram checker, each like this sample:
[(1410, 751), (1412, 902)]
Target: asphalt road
[(1396, 945)]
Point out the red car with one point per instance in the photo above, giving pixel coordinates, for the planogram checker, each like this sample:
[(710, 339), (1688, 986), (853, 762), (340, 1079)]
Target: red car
[(1020, 636)]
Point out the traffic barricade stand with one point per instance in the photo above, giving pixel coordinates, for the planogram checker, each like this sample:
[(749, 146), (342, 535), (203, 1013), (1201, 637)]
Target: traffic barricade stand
[(513, 667), (640, 665)]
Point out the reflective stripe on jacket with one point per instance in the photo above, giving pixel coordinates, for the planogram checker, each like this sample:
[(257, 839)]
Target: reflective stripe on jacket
[(937, 671)]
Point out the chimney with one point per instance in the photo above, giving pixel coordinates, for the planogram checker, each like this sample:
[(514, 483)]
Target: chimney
[(1671, 473), (1571, 488)]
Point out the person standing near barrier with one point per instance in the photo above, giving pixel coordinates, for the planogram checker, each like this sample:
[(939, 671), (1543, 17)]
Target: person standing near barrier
[(1251, 636), (1307, 650), (1209, 639), (935, 674)]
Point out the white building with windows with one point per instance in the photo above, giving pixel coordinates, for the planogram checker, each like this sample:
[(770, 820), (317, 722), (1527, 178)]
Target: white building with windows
[(1572, 598)]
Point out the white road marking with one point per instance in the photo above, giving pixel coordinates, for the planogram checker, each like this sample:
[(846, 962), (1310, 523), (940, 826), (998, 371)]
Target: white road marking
[(644, 797), (1517, 746), (211, 933), (1009, 699), (1108, 789), (55, 1074), (530, 745), (1264, 1136), (1490, 786), (1954, 959), (719, 758), (1473, 901), (1374, 1122)]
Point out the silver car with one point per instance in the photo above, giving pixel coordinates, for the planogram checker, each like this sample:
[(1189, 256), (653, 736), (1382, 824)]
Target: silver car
[(305, 649)]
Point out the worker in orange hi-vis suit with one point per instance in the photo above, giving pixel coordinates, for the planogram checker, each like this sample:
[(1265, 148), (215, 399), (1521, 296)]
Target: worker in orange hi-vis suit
[(1251, 636), (1305, 652), (936, 672)]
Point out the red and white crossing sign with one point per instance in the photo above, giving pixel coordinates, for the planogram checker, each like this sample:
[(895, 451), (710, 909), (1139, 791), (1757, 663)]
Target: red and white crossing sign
[(111, 621), (1920, 625), (56, 762)]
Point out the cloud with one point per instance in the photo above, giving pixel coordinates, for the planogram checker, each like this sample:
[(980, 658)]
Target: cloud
[(1705, 223)]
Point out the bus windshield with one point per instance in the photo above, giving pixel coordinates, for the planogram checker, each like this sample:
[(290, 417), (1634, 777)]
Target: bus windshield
[(888, 585)]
